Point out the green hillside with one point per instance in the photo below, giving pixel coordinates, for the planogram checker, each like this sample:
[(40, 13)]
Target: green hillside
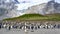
[(36, 17)]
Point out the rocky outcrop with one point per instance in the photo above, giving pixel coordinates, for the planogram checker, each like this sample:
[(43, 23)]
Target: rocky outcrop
[(51, 7), (38, 9), (8, 10)]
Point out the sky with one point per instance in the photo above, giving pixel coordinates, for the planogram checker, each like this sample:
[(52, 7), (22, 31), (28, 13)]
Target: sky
[(24, 4)]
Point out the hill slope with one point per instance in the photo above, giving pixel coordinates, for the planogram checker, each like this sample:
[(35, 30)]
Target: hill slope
[(50, 7), (35, 17)]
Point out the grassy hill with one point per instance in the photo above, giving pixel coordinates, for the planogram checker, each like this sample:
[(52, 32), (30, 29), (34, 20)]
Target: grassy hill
[(36, 17)]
